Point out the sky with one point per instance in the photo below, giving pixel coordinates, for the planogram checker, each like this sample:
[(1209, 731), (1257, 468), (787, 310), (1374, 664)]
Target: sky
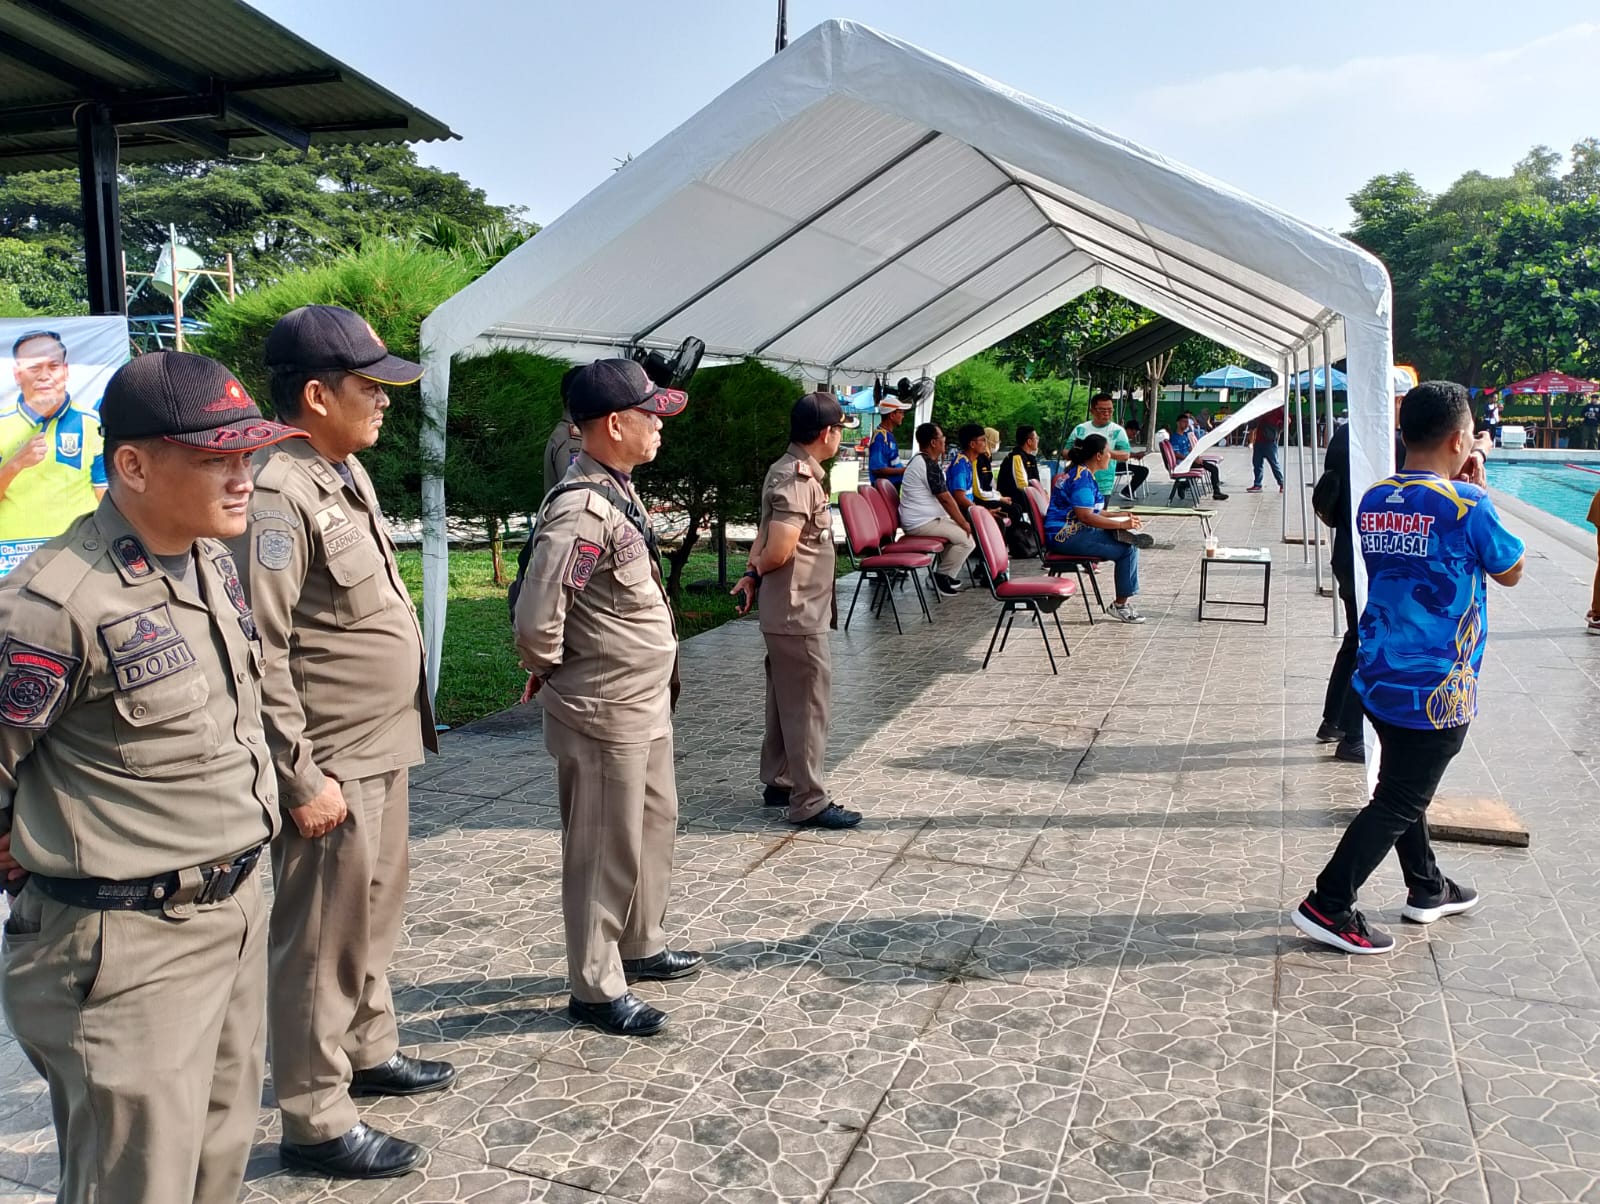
[(1295, 103)]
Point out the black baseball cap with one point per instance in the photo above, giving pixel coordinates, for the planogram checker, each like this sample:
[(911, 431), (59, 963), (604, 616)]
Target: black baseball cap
[(186, 399), (815, 413), (321, 338), (611, 386)]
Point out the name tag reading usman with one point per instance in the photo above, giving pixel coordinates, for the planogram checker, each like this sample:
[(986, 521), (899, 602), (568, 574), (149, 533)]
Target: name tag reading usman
[(144, 647)]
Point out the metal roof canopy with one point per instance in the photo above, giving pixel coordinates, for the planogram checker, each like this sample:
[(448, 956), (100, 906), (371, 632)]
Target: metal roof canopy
[(88, 83), (1132, 351), (856, 205)]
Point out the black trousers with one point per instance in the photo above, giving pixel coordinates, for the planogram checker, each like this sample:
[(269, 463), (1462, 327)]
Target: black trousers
[(1341, 705), (1409, 771), (1136, 475)]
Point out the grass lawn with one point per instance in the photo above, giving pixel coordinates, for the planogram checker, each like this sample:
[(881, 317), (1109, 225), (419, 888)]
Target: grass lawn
[(478, 673)]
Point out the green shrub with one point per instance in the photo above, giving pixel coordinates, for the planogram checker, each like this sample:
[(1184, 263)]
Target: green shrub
[(715, 454)]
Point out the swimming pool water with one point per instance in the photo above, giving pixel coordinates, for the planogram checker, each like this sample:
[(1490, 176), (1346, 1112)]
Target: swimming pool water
[(1554, 488)]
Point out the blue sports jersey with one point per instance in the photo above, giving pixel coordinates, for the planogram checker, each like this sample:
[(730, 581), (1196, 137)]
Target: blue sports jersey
[(1073, 487), (883, 453), (959, 476), (1427, 543), (1181, 443)]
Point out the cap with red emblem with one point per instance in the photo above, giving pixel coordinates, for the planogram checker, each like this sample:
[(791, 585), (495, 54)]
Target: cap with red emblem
[(321, 338), (186, 399), (610, 386)]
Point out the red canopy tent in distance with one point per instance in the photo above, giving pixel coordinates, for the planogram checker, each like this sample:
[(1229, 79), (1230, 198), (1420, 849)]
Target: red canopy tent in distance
[(1551, 384)]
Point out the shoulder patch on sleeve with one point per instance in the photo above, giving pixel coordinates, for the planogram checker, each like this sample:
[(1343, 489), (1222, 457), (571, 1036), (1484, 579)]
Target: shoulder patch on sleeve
[(274, 549), (581, 563), (34, 682)]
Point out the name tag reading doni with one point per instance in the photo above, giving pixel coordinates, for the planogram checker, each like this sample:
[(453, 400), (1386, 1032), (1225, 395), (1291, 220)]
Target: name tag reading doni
[(145, 647)]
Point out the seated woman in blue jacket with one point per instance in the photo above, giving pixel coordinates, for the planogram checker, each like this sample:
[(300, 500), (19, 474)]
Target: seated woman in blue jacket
[(1077, 525)]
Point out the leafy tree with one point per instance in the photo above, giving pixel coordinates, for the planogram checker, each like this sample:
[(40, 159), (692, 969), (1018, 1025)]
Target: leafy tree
[(38, 278), (713, 455), (1053, 345), (282, 211), (1519, 298)]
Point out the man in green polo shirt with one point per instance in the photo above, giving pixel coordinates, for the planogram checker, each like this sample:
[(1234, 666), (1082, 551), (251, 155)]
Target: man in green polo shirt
[(51, 464), (1100, 423)]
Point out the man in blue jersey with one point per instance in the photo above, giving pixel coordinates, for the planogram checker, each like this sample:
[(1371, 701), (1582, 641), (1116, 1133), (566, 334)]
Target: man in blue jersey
[(883, 456), (1428, 542)]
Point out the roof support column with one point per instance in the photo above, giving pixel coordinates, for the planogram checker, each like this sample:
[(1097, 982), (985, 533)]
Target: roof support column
[(1327, 397), (102, 215), (1286, 370), (1308, 457)]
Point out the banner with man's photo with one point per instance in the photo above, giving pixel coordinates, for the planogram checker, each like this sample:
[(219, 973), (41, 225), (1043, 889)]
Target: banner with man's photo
[(53, 373)]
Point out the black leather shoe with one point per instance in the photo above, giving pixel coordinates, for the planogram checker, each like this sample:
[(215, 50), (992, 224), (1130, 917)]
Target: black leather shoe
[(774, 796), (401, 1075), (832, 816), (1329, 732), (1355, 754), (663, 967), (362, 1153), (628, 1016)]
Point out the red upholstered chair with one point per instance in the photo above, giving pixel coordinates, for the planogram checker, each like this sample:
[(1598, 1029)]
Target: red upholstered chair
[(1037, 596), (1055, 563), (887, 527), (864, 539), (885, 501), (1195, 477), (890, 493)]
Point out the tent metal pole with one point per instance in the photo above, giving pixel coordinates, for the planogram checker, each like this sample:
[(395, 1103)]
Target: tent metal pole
[(1122, 262), (911, 246), (1327, 397), (942, 294), (1286, 370), (1170, 253), (1003, 319), (1306, 534), (804, 224), (1315, 531), (971, 314)]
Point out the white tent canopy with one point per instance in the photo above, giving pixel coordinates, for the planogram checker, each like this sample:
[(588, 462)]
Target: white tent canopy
[(856, 206)]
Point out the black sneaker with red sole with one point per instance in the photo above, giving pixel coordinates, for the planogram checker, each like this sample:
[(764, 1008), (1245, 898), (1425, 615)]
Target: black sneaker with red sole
[(1353, 935)]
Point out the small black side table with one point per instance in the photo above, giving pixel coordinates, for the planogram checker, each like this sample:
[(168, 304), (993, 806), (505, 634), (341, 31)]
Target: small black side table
[(1257, 557)]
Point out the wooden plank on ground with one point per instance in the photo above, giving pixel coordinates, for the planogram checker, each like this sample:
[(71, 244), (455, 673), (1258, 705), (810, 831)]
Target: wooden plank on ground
[(1476, 820)]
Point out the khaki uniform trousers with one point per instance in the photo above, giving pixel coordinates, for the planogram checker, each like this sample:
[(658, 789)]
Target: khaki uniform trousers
[(337, 907), (954, 557), (619, 816), (149, 1029), (799, 697)]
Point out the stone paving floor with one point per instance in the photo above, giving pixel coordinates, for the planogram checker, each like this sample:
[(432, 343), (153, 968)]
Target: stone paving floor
[(1052, 966)]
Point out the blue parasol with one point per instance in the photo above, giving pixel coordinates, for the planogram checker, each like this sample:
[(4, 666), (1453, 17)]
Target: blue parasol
[(1231, 377)]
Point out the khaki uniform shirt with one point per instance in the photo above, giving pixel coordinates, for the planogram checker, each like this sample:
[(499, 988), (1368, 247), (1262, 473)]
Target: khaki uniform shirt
[(592, 619), (131, 741), (559, 451), (797, 599), (344, 693)]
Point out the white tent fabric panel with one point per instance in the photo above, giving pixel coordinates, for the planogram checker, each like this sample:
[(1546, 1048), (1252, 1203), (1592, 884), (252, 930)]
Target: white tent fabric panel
[(995, 317), (952, 251), (976, 338), (1202, 322), (910, 336), (1174, 253), (857, 205)]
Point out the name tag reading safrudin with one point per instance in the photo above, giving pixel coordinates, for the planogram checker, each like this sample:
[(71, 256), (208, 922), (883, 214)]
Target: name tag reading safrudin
[(145, 647)]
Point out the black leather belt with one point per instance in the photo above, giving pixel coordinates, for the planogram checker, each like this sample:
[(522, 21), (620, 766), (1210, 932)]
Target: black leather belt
[(217, 882)]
